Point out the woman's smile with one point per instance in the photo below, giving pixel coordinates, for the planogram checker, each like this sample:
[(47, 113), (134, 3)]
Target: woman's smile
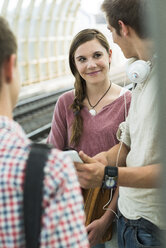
[(93, 73)]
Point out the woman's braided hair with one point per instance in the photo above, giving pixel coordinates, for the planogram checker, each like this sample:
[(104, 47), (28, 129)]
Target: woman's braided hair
[(80, 84)]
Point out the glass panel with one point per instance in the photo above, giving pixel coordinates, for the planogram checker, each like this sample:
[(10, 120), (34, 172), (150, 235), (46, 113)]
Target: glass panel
[(58, 1), (12, 5), (1, 4), (23, 74), (52, 48), (33, 72), (49, 1), (26, 4), (65, 9), (43, 49), (38, 2), (43, 70), (32, 50)]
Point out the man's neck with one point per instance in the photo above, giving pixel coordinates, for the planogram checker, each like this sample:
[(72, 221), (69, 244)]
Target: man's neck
[(5, 106), (6, 113), (145, 49)]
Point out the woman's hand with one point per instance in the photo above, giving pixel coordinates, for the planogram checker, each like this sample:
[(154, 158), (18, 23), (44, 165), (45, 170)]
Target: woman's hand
[(95, 231)]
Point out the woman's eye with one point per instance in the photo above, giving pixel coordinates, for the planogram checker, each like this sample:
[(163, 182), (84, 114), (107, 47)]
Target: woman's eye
[(81, 59), (97, 55)]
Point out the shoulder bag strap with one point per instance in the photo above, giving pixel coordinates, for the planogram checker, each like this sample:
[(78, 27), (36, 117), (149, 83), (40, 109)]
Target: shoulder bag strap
[(33, 193)]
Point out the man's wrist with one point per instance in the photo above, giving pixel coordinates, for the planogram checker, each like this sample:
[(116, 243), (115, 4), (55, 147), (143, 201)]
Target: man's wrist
[(106, 156), (110, 177)]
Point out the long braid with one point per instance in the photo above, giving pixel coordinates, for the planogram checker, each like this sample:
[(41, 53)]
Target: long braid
[(77, 126)]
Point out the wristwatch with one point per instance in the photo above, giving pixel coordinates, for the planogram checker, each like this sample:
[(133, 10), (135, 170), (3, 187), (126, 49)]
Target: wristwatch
[(110, 177)]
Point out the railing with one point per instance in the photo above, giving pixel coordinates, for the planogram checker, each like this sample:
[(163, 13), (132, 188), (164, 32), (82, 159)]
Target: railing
[(35, 114)]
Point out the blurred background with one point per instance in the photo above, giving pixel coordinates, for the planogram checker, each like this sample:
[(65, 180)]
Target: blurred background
[(44, 29)]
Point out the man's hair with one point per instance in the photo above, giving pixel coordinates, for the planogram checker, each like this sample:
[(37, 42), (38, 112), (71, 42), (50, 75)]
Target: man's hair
[(8, 43), (132, 12)]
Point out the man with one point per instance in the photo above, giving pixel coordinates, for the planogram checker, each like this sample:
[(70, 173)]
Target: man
[(139, 206), (63, 216)]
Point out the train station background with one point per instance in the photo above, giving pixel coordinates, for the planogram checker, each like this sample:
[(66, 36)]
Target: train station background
[(44, 29)]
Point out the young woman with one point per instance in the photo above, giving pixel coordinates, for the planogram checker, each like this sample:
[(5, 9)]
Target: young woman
[(88, 117)]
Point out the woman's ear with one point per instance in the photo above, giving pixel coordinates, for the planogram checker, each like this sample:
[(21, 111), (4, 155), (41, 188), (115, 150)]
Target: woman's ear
[(8, 68), (110, 56)]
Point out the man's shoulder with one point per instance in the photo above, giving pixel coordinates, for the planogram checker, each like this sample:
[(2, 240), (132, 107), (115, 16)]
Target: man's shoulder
[(59, 165), (56, 157), (11, 130)]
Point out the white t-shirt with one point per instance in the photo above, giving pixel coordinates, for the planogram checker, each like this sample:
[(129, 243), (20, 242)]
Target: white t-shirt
[(141, 133)]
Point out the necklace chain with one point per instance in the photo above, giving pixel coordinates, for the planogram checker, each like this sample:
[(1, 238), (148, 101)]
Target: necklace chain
[(93, 106)]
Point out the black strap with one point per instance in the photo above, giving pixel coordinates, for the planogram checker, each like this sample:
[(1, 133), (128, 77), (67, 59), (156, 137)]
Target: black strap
[(33, 193)]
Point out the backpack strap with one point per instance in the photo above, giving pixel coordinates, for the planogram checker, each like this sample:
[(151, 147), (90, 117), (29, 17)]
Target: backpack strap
[(33, 193)]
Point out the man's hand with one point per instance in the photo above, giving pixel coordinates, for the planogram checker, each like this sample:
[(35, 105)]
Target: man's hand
[(101, 157), (91, 173)]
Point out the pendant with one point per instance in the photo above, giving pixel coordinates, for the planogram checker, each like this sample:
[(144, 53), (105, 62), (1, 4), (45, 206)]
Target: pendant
[(92, 112)]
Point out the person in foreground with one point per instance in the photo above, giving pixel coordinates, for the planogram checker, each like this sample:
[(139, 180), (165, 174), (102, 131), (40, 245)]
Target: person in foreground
[(140, 207), (63, 216), (88, 118)]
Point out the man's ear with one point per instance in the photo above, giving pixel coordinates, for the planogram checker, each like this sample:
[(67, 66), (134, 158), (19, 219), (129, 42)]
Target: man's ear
[(8, 68), (124, 28)]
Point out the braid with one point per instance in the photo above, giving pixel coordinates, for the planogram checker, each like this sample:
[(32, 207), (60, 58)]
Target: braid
[(77, 105)]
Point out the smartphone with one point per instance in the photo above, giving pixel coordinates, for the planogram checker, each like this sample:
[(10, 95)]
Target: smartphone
[(73, 155)]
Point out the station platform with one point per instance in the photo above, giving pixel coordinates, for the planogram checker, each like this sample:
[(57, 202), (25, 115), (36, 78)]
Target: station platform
[(46, 87)]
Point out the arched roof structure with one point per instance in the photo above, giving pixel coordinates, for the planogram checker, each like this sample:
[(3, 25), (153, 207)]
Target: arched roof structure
[(44, 29)]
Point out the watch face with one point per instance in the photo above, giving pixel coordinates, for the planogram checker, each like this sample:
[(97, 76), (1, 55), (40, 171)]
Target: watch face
[(110, 182), (110, 177)]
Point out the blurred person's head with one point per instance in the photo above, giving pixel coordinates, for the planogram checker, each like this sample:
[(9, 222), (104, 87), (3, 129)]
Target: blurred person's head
[(127, 21), (130, 12), (9, 78)]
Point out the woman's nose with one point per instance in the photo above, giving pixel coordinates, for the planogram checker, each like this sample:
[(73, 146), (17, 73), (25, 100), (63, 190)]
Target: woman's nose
[(91, 64)]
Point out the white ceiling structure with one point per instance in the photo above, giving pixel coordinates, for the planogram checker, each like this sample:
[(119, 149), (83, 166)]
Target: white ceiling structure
[(44, 29)]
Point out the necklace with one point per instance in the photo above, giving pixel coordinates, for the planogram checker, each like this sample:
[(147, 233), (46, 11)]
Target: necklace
[(92, 111)]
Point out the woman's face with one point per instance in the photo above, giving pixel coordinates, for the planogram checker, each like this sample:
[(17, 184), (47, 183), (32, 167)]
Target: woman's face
[(92, 61)]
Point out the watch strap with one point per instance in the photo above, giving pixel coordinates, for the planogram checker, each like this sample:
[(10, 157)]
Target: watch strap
[(111, 171)]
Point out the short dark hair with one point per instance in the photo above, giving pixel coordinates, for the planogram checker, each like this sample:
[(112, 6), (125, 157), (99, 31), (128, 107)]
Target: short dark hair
[(131, 12), (8, 43)]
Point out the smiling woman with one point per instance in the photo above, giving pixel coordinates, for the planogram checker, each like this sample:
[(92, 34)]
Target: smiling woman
[(92, 61)]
